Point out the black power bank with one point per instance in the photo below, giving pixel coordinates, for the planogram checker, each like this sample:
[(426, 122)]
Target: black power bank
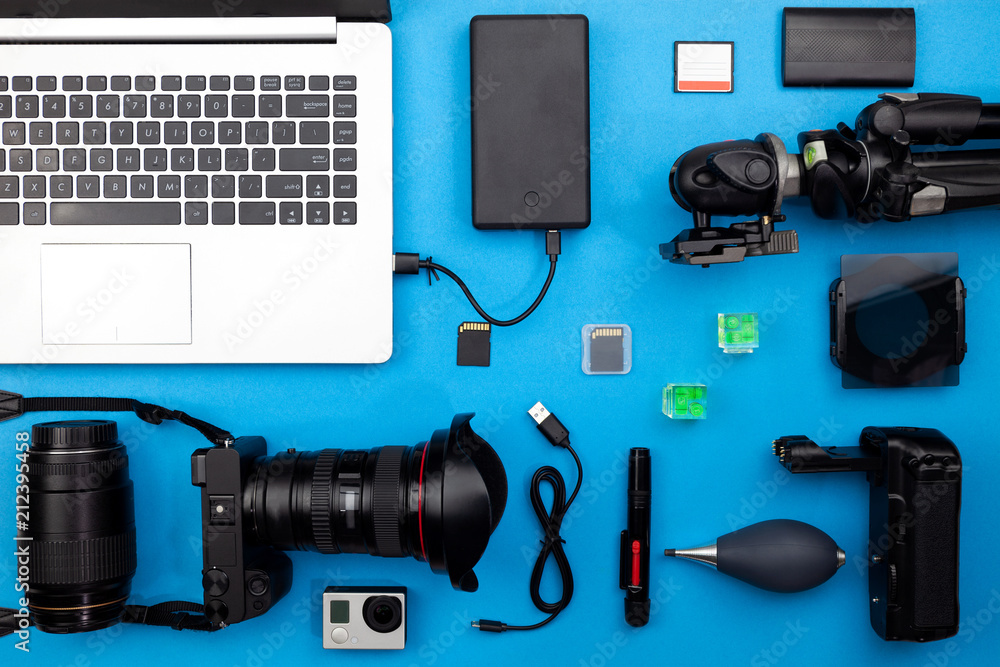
[(530, 122)]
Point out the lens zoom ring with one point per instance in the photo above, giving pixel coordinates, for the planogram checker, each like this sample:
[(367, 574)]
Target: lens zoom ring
[(320, 506), (385, 501), (83, 561)]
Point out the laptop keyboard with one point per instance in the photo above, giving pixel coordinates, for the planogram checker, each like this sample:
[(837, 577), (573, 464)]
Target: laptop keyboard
[(171, 150)]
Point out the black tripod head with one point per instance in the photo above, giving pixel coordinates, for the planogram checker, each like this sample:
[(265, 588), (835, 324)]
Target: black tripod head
[(865, 172)]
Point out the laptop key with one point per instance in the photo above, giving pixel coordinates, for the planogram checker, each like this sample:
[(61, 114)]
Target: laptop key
[(345, 106), (10, 188), (219, 83), (171, 83), (34, 214), (13, 134), (314, 132), (243, 106), (244, 83), (223, 213), (319, 83), (5, 106), (9, 214), (263, 159), (161, 106), (195, 83), (250, 187), (318, 186), (135, 106), (196, 213), (318, 213), (304, 159), (45, 83), (88, 187), (270, 106), (256, 213), (345, 83), (26, 106), (72, 84), (143, 83), (295, 82), (20, 159), (3, 82), (54, 106), (345, 213), (21, 83), (108, 106), (284, 187), (270, 83), (67, 133), (289, 213), (116, 213), (115, 187), (81, 106), (97, 83), (34, 187), (120, 83), (307, 106), (62, 187)]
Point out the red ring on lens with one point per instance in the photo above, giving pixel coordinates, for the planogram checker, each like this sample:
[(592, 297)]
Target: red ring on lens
[(420, 502)]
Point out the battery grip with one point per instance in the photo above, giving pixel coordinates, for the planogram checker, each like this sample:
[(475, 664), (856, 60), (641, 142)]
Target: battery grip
[(915, 478)]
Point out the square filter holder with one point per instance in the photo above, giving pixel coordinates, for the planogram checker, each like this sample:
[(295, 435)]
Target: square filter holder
[(898, 320)]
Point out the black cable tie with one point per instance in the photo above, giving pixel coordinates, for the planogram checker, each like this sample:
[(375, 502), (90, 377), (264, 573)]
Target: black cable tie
[(429, 265)]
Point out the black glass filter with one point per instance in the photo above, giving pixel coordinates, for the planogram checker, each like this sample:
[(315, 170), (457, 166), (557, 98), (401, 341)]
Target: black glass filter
[(898, 320)]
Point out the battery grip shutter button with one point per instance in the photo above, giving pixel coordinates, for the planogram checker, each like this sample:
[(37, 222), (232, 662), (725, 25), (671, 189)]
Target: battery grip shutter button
[(257, 586)]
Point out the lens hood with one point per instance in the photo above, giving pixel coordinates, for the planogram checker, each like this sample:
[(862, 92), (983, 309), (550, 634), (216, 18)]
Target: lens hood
[(462, 496)]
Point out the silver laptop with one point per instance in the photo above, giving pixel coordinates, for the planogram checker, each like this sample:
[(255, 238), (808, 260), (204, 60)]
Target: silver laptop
[(195, 185)]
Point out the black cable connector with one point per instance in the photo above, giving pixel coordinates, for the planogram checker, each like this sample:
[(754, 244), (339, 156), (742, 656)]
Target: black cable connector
[(551, 521), (408, 263)]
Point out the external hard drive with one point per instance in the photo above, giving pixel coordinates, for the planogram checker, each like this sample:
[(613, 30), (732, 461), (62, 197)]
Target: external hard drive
[(530, 122)]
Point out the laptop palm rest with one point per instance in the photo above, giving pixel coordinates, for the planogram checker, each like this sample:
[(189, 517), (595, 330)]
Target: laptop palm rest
[(116, 294)]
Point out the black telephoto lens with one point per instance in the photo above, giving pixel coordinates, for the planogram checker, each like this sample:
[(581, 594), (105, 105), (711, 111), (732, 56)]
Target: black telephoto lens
[(383, 613), (81, 526), (438, 501)]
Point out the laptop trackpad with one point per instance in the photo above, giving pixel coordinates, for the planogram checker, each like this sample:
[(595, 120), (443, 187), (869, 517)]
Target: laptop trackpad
[(124, 294)]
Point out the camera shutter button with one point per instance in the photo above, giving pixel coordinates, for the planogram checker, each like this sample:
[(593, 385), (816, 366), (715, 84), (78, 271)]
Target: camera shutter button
[(339, 635)]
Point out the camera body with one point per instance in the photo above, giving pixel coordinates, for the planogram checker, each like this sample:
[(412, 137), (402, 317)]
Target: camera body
[(364, 617), (241, 580)]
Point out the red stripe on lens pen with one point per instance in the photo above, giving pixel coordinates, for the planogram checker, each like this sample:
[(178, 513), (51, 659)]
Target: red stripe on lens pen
[(636, 548)]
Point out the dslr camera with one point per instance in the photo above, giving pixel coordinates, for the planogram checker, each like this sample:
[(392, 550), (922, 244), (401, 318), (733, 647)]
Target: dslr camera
[(438, 501)]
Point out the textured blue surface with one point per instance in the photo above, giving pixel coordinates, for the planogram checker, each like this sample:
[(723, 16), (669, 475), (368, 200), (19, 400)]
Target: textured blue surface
[(709, 476)]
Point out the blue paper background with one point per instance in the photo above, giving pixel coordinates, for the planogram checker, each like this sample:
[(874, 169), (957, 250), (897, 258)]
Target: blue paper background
[(709, 477)]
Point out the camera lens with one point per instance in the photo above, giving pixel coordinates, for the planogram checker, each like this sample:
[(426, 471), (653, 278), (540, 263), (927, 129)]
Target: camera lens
[(383, 613), (81, 527), (387, 501)]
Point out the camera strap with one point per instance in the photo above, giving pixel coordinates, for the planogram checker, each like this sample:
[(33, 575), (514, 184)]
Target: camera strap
[(14, 405), (176, 615)]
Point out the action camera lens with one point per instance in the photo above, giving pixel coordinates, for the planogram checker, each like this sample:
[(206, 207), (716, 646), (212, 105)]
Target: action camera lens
[(383, 614)]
